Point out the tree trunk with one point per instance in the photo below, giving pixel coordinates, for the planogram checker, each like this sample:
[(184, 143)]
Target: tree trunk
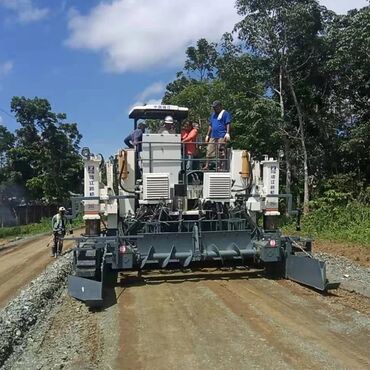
[(306, 196), (288, 175)]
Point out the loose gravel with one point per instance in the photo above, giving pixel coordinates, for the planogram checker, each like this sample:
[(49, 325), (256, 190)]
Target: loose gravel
[(30, 306), (352, 276)]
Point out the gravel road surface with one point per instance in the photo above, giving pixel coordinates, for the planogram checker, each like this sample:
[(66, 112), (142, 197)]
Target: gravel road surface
[(22, 263), (210, 320)]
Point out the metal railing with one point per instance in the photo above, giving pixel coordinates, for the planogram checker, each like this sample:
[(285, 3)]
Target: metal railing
[(220, 161)]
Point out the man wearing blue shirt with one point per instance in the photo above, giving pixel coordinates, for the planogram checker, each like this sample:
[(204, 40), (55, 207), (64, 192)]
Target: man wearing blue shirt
[(136, 137), (218, 132)]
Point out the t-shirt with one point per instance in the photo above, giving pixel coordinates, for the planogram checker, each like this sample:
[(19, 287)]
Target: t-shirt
[(58, 223), (219, 125), (137, 138), (164, 131)]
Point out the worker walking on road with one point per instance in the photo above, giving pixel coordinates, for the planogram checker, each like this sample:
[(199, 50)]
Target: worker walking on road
[(58, 223), (218, 132)]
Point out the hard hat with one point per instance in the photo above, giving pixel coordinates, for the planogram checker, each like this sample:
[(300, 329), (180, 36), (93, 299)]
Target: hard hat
[(168, 119), (62, 209)]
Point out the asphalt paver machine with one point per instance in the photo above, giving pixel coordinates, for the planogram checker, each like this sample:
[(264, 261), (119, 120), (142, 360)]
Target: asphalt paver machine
[(152, 210)]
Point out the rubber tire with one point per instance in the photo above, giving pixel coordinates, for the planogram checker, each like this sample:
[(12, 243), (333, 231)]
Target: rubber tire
[(274, 270)]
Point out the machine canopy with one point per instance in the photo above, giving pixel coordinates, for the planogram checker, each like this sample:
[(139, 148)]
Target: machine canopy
[(158, 112)]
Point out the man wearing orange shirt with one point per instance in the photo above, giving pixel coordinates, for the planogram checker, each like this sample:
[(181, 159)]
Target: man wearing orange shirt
[(189, 136)]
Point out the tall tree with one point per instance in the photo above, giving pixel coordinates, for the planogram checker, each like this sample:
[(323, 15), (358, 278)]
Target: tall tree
[(349, 40), (201, 60), (45, 156), (286, 33)]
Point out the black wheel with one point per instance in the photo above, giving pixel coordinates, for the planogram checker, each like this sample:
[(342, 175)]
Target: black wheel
[(274, 270)]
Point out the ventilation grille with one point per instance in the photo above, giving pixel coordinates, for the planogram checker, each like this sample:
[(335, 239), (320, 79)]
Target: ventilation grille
[(217, 186), (156, 186)]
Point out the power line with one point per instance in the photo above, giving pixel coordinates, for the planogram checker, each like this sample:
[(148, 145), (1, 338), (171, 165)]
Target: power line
[(8, 114)]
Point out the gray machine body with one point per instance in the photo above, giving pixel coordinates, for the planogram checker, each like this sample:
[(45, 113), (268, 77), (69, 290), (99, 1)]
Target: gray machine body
[(160, 214)]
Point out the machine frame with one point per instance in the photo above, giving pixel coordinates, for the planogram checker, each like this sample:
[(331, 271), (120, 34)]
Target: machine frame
[(160, 215)]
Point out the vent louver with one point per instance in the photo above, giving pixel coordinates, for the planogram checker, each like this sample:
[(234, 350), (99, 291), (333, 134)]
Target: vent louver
[(156, 186), (217, 186)]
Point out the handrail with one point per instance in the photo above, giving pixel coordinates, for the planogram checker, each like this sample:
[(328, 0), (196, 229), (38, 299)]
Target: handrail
[(217, 159)]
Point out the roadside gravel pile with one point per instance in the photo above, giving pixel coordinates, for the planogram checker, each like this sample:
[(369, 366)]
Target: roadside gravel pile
[(352, 276), (22, 313)]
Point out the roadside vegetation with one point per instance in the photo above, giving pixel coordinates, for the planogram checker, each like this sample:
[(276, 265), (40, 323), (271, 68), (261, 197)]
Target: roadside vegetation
[(348, 223), (43, 226)]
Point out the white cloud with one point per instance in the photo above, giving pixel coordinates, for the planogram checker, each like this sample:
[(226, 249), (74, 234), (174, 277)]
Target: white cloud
[(142, 34), (157, 88), (6, 68), (342, 6), (152, 94), (26, 11), (135, 35)]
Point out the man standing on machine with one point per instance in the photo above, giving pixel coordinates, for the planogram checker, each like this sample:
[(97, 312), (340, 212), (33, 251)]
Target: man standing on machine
[(136, 137), (218, 133), (189, 136)]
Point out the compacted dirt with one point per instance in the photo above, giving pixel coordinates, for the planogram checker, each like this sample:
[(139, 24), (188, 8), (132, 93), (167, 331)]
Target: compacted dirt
[(23, 262), (207, 319), (356, 253), (203, 319)]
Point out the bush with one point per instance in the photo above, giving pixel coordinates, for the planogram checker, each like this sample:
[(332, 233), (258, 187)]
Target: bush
[(336, 216)]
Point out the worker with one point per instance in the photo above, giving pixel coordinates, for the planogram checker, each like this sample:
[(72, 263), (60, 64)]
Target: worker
[(218, 132), (136, 137), (167, 127), (59, 224), (189, 136)]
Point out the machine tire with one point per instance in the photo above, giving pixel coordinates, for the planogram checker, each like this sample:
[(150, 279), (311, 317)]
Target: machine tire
[(274, 270), (110, 276)]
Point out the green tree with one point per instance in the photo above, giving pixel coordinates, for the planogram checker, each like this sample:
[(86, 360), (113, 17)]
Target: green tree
[(7, 140), (349, 66), (287, 34), (201, 60), (45, 156)]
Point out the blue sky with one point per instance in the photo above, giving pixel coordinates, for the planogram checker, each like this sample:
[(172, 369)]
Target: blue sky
[(95, 59)]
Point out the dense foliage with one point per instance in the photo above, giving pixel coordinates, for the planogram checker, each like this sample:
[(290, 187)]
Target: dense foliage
[(296, 78), (40, 161)]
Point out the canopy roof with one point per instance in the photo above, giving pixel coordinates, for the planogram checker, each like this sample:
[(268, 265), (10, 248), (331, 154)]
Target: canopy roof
[(158, 112)]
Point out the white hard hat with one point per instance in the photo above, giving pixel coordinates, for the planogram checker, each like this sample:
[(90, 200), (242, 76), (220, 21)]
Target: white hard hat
[(168, 119), (62, 209)]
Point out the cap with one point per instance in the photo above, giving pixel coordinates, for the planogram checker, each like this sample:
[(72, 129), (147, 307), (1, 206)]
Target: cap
[(216, 103), (62, 209)]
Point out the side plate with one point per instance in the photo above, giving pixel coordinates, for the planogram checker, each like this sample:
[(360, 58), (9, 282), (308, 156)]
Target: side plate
[(87, 290)]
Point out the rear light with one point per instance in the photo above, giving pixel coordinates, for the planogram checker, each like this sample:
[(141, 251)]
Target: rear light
[(272, 243), (122, 249)]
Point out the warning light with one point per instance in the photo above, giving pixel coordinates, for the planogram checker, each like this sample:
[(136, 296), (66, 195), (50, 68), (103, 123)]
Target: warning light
[(272, 243)]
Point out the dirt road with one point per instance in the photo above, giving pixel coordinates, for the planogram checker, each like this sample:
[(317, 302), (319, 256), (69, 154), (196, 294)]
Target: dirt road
[(237, 323), (214, 320), (22, 263)]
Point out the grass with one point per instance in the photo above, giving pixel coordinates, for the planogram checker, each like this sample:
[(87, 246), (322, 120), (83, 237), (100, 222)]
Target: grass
[(32, 229), (349, 223)]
